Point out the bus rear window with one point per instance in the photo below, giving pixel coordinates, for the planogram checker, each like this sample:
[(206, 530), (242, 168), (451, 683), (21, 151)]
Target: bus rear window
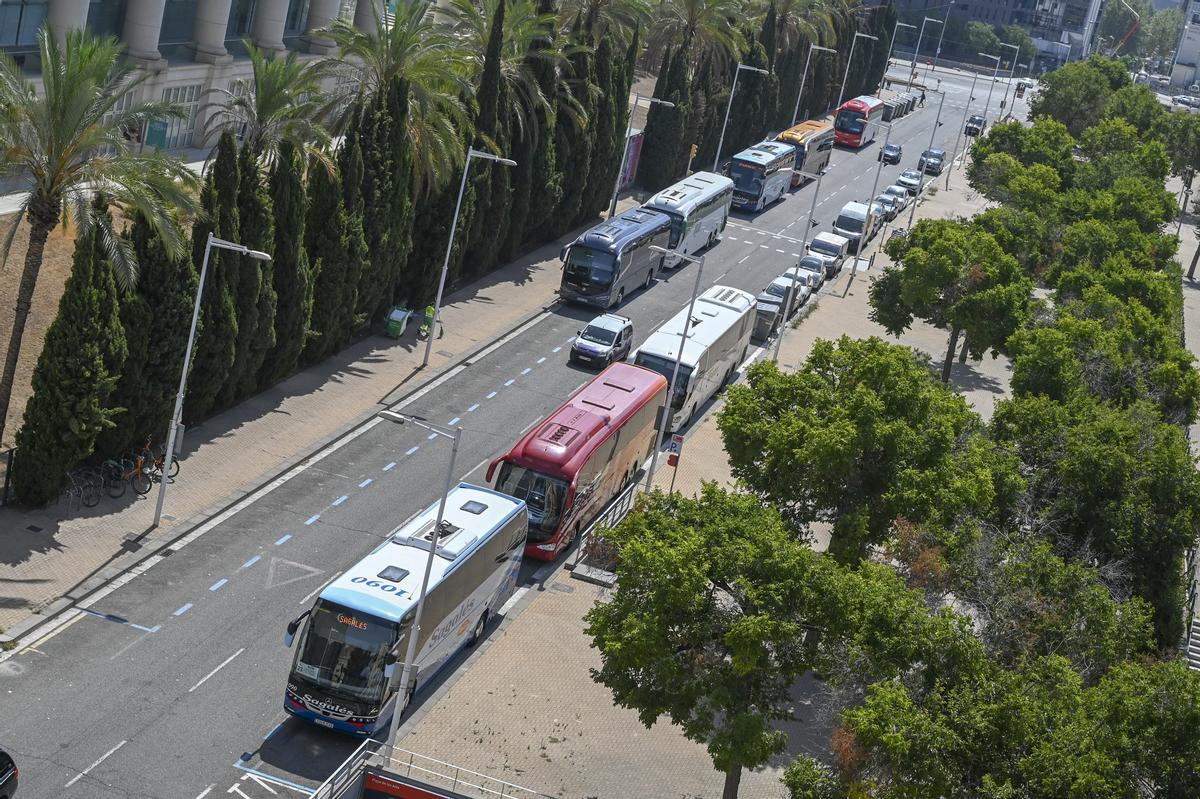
[(544, 497)]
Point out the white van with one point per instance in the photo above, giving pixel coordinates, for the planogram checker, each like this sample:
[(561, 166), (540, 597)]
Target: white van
[(852, 223), (833, 248)]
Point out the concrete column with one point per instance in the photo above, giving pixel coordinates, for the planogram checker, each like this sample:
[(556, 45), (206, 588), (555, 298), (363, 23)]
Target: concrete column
[(66, 15), (143, 23), (269, 18), (364, 14), (208, 31), (320, 14)]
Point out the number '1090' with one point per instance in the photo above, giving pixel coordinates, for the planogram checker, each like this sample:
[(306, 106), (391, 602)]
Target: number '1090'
[(391, 589)]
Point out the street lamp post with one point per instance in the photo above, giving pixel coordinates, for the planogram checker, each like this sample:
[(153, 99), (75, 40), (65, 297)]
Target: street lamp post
[(812, 209), (941, 35), (612, 206), (962, 126), (1011, 72), (687, 323), (913, 72), (992, 85), (177, 415), (414, 631), (437, 303), (804, 77), (887, 65), (878, 170), (849, 61), (729, 106), (921, 185)]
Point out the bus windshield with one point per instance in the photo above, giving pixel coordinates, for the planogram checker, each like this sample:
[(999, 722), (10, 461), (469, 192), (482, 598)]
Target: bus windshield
[(344, 652), (849, 121), (666, 367), (585, 266), (676, 228), (747, 178), (544, 497)]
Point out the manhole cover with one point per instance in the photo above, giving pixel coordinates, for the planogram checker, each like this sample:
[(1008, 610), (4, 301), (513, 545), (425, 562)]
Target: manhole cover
[(566, 589), (33, 528), (445, 354)]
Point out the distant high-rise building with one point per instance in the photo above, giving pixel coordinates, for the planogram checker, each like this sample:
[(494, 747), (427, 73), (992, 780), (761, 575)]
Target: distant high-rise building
[(1187, 54)]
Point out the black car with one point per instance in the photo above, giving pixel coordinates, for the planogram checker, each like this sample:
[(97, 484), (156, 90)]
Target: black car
[(890, 154), (931, 161), (975, 126), (8, 776)]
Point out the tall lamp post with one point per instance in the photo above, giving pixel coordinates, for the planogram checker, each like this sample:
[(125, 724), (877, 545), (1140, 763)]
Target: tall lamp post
[(729, 106), (988, 104), (1011, 72), (945, 20), (962, 126), (687, 323), (812, 209), (849, 61), (437, 303), (937, 122), (804, 77), (414, 631), (878, 170), (637, 98), (887, 65), (913, 72), (177, 415)]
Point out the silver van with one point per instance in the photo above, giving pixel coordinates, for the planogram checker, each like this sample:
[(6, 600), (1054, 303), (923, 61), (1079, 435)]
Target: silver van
[(851, 223), (831, 247)]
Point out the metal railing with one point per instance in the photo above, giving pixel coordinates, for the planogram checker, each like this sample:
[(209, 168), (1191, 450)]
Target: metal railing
[(609, 517)]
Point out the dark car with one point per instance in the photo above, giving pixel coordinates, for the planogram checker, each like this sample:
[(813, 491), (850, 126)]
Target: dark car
[(931, 161), (975, 126), (890, 154), (8, 776)]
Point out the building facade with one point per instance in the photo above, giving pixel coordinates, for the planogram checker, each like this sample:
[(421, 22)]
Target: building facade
[(189, 47), (1187, 53)]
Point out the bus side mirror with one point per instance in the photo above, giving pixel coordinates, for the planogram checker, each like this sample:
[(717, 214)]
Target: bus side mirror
[(289, 637), (293, 626), (491, 470), (562, 254)]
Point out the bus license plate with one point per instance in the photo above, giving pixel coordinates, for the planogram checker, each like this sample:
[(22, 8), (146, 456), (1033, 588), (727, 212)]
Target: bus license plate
[(324, 723)]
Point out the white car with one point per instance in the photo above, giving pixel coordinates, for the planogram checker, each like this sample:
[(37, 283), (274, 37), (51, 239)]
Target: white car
[(900, 194), (910, 179), (815, 265)]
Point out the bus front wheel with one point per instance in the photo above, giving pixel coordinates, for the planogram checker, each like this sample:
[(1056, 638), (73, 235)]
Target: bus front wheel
[(480, 626)]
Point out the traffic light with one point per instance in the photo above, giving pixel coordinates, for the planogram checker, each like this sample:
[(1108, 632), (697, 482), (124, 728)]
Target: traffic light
[(695, 149)]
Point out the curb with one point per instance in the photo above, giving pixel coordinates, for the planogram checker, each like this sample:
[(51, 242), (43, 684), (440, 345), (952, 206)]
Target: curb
[(121, 564)]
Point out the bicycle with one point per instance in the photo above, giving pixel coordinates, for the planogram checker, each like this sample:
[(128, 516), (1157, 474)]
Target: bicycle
[(157, 458), (84, 486), (117, 474)]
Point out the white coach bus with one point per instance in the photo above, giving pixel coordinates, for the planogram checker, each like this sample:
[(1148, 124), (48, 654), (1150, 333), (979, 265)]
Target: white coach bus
[(699, 209)]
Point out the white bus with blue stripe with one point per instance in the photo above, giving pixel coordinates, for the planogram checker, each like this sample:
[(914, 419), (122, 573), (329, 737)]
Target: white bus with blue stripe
[(761, 174), (355, 636)]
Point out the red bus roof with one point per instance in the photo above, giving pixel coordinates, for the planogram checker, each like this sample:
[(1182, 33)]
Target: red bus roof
[(562, 442), (864, 102)]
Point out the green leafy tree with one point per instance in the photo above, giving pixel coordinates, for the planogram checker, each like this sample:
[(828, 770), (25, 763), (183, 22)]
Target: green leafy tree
[(290, 271), (1077, 93), (665, 151), (1044, 143), (1162, 32), (489, 227), (254, 291), (575, 143), (608, 129), (1118, 22), (1138, 106), (862, 435), (981, 38), (75, 374), (334, 290), (215, 344), (1015, 34), (957, 278), (1115, 484), (756, 98), (546, 189), (807, 778), (705, 30), (49, 138)]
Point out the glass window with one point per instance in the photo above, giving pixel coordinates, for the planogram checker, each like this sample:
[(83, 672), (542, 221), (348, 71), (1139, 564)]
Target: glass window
[(344, 652), (179, 17), (241, 18), (666, 367), (180, 131), (849, 121), (19, 23), (585, 265), (597, 335), (106, 17), (747, 178), (544, 497), (297, 16)]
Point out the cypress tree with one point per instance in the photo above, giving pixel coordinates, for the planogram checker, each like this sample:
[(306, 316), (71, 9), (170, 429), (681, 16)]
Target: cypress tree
[(129, 398), (602, 171), (374, 140), (575, 143), (255, 282), (491, 182), (214, 349), (768, 32), (402, 211), (546, 187), (356, 259), (522, 183), (756, 98), (74, 376), (292, 281), (325, 245), (657, 132)]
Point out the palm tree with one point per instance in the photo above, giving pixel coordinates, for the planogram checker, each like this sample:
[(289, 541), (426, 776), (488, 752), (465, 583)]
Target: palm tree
[(70, 144), (412, 47), (622, 17), (814, 21), (706, 29), (282, 102)]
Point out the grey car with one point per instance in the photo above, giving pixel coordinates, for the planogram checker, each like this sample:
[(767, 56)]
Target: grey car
[(606, 339), (931, 161)]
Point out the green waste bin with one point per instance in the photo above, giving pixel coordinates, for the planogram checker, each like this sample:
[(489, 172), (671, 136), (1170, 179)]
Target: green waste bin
[(397, 321)]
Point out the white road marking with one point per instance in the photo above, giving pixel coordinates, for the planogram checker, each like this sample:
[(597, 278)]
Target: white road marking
[(285, 538), (431, 437), (224, 663), (204, 793), (526, 370), (498, 344), (453, 421), (312, 519), (365, 483), (744, 259), (340, 500), (183, 610), (542, 359), (510, 382), (473, 408), (409, 451), (526, 430), (106, 755), (556, 349), (217, 584), (476, 468), (489, 396), (318, 590), (390, 466)]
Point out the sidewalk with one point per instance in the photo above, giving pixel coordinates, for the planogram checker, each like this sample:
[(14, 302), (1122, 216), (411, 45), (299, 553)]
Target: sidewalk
[(51, 557)]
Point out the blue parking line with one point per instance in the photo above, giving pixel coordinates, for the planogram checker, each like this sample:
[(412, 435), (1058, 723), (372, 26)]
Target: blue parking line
[(390, 466), (556, 349), (526, 370), (411, 450), (340, 500), (252, 561), (489, 396), (542, 359), (453, 421), (473, 408), (432, 436), (312, 518), (365, 483), (217, 584), (183, 610), (239, 764), (510, 382), (283, 540)]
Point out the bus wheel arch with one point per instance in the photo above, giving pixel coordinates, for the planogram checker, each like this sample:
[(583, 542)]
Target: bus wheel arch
[(477, 632)]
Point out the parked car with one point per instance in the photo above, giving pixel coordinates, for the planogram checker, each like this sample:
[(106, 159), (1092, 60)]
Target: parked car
[(606, 339), (900, 194), (889, 205), (910, 179), (891, 153), (832, 249), (1181, 99), (975, 126), (778, 291), (931, 161), (814, 264), (8, 776)]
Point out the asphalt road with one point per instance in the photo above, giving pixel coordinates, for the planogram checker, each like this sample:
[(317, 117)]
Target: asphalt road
[(171, 686)]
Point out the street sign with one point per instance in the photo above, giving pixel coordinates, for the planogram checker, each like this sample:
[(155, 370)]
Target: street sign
[(676, 445)]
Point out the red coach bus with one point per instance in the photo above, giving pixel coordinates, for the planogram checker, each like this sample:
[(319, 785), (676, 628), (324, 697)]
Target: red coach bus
[(570, 465), (850, 128)]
